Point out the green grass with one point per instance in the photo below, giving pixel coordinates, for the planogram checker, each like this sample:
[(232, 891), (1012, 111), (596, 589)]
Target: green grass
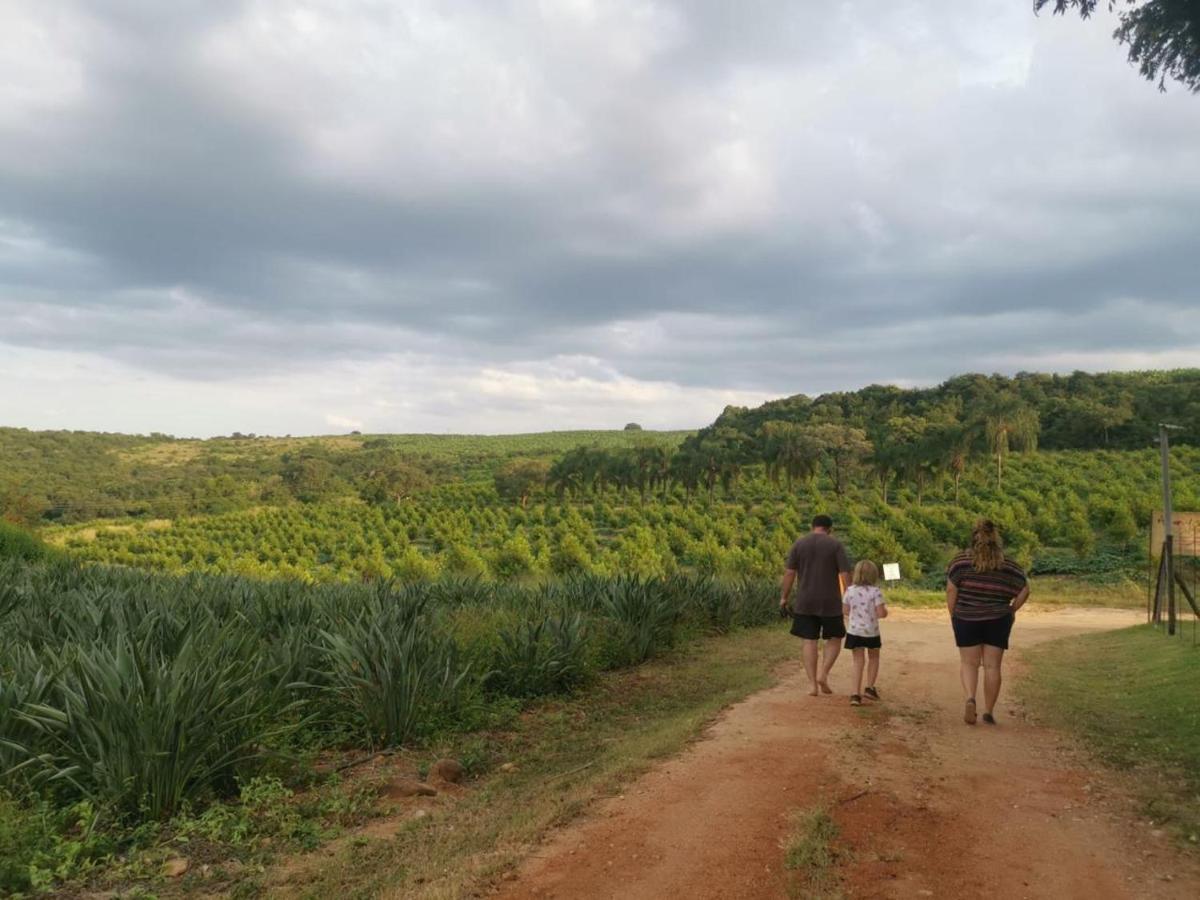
[(1131, 696), (809, 854)]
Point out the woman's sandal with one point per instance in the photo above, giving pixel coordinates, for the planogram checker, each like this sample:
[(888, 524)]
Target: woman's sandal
[(872, 693), (855, 700), (969, 712), (988, 718)]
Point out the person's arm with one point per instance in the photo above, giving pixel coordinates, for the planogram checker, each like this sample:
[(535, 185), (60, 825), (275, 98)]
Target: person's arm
[(844, 581), (881, 610), (951, 596), (1019, 600), (785, 590), (845, 610)]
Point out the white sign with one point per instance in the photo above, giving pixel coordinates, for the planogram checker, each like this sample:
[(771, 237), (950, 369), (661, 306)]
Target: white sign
[(891, 571)]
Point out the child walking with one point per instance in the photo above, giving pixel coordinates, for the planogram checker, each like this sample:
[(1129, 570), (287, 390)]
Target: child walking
[(863, 607)]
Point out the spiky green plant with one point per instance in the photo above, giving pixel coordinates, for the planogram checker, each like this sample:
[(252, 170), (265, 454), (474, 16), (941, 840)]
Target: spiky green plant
[(130, 726), (389, 670), (541, 656)]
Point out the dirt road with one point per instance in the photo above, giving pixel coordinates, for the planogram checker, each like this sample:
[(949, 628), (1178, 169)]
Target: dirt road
[(925, 805)]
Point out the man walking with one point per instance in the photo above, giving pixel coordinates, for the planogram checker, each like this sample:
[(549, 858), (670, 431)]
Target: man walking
[(820, 569)]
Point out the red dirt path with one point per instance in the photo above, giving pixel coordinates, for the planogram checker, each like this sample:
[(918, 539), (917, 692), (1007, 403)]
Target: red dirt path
[(925, 805)]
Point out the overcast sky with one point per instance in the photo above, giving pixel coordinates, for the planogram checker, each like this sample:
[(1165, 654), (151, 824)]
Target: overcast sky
[(519, 216)]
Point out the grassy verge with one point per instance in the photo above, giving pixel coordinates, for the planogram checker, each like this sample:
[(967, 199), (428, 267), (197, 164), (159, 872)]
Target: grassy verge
[(809, 855), (556, 758), (1130, 695)]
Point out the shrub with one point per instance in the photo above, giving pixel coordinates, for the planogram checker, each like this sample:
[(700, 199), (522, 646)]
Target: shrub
[(17, 543)]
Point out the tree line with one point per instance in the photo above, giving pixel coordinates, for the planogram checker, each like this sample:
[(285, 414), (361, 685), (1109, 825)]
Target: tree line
[(910, 449)]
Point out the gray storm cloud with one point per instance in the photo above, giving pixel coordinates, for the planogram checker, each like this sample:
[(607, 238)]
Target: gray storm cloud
[(463, 216)]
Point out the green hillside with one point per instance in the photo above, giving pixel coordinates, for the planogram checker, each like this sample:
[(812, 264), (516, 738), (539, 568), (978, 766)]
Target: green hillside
[(77, 476)]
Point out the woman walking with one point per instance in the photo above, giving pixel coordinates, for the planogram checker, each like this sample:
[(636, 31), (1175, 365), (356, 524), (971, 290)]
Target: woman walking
[(984, 589)]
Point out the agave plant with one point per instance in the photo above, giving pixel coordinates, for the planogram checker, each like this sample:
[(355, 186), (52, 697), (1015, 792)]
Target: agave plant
[(128, 725), (24, 681), (540, 656), (644, 615), (390, 671)]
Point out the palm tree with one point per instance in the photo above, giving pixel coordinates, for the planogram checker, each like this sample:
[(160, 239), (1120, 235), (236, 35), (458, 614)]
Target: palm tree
[(1008, 424), (951, 444)]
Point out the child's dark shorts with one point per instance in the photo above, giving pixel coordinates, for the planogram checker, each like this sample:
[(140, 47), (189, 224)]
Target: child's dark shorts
[(857, 640)]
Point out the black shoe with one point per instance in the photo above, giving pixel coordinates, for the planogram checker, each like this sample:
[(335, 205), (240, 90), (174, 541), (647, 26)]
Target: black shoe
[(987, 718), (872, 693)]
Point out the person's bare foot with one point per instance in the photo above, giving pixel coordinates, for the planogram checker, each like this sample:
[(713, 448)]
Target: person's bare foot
[(825, 688), (812, 692)]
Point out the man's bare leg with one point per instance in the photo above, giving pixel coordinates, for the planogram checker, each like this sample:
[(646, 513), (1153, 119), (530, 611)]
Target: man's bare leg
[(832, 648), (810, 664)]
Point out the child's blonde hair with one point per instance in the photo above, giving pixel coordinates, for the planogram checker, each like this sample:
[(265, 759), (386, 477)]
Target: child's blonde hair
[(866, 572)]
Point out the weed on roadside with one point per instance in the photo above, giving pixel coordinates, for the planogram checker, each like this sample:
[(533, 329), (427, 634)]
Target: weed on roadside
[(809, 855)]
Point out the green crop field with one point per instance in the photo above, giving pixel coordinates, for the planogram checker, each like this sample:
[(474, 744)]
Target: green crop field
[(197, 622), (1070, 512)]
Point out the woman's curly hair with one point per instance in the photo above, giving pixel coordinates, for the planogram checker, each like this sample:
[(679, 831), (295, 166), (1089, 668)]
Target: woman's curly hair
[(987, 550)]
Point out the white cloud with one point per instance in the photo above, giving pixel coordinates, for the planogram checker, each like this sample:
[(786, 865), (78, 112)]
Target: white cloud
[(267, 215)]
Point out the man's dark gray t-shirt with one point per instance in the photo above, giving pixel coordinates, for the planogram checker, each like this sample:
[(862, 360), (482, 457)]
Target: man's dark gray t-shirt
[(817, 558)]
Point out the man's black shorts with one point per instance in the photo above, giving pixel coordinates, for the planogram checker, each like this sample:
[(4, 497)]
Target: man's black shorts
[(857, 640), (814, 627), (993, 632)]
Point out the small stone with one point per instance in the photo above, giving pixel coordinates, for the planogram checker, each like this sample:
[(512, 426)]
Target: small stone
[(448, 770), (420, 813), (175, 866), (401, 788), (508, 767), (510, 875)]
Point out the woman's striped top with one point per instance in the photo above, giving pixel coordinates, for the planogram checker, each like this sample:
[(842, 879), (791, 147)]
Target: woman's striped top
[(984, 595)]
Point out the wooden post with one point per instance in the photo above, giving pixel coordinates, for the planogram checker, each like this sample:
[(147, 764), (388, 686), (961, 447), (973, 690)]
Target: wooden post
[(1168, 569)]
